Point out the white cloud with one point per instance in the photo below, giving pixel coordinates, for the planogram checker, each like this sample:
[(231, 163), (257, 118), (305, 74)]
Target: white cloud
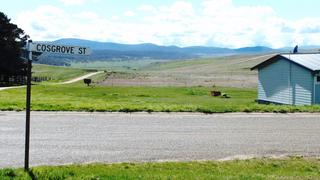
[(72, 2), (56, 23), (215, 23), (76, 2), (147, 8), (129, 14)]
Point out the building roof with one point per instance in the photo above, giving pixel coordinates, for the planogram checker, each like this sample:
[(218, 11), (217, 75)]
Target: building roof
[(309, 61)]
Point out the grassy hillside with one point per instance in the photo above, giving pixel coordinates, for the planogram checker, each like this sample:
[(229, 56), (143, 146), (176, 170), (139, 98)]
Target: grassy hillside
[(116, 65), (231, 71), (220, 64), (57, 73)]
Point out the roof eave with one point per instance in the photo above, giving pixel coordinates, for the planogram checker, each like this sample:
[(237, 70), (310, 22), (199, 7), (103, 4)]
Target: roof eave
[(266, 62)]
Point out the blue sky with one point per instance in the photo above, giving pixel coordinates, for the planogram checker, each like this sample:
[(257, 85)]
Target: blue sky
[(224, 23)]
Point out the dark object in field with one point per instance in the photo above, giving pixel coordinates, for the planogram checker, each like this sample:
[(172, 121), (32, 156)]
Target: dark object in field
[(224, 95), (295, 50), (87, 81), (215, 93)]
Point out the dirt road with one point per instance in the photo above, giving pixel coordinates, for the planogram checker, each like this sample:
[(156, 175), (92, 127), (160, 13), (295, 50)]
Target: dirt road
[(66, 82)]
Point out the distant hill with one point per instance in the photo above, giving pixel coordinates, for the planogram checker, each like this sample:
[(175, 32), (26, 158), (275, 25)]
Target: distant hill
[(256, 49), (106, 51), (115, 46)]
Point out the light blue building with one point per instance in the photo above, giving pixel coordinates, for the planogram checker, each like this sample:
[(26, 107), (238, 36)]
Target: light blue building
[(289, 79)]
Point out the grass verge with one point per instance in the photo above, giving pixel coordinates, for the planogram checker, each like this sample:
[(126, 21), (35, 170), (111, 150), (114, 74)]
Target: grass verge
[(78, 97), (291, 168)]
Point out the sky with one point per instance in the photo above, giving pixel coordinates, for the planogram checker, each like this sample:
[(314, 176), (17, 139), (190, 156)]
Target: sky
[(219, 23)]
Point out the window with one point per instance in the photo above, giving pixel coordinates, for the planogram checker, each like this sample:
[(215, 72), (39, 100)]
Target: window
[(318, 78)]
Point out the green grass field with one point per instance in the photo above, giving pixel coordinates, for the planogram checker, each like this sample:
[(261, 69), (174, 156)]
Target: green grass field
[(292, 168), (56, 73), (79, 97)]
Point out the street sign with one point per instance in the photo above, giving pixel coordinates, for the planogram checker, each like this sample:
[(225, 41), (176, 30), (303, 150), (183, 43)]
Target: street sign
[(60, 49), (34, 48)]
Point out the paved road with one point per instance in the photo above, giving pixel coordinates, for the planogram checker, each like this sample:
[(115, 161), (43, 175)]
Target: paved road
[(60, 138)]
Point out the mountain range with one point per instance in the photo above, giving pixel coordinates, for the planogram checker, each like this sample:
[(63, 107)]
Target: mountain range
[(107, 51)]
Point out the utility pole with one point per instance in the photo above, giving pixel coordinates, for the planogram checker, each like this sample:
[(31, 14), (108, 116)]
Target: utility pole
[(28, 106)]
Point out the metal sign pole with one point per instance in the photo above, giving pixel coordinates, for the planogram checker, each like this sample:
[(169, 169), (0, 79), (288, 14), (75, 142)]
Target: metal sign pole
[(40, 48), (28, 106)]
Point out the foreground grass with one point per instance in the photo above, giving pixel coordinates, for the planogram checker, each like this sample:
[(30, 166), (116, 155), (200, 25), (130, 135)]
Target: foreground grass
[(293, 168), (78, 97)]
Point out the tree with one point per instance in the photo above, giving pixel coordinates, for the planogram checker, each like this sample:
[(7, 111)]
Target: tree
[(12, 39)]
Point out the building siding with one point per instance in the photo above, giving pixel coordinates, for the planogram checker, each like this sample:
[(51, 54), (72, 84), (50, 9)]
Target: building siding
[(285, 82), (316, 91), (274, 83), (302, 85)]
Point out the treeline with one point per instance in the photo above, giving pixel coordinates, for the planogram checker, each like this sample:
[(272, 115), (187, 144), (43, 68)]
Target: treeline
[(12, 68)]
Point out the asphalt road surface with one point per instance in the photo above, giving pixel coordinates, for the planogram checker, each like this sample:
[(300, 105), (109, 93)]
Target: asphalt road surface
[(63, 138)]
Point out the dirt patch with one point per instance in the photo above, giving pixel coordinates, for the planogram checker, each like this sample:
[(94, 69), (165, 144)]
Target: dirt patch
[(231, 71), (180, 79)]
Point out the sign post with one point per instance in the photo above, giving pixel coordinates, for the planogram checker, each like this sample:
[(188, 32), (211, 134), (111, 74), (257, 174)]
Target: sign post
[(28, 106), (43, 48)]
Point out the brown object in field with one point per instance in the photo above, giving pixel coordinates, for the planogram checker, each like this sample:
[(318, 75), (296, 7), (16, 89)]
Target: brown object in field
[(215, 93)]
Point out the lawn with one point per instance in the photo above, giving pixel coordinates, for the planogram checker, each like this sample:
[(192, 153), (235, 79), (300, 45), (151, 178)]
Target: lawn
[(78, 97), (291, 168)]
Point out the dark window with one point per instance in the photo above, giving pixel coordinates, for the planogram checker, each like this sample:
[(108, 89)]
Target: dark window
[(318, 78)]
